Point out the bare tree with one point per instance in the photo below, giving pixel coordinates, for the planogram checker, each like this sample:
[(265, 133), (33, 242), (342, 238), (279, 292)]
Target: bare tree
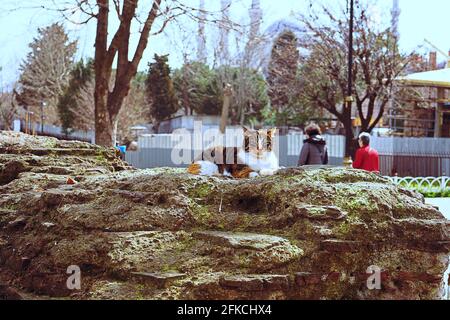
[(159, 14), (242, 70), (133, 112), (8, 110), (376, 64)]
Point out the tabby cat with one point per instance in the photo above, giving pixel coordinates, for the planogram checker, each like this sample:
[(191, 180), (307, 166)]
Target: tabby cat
[(255, 158)]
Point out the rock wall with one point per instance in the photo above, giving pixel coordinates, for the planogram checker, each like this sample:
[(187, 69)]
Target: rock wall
[(164, 234)]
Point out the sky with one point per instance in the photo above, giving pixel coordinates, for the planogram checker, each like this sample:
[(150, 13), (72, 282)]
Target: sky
[(19, 22)]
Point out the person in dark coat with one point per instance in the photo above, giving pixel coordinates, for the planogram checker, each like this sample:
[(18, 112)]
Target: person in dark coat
[(314, 150)]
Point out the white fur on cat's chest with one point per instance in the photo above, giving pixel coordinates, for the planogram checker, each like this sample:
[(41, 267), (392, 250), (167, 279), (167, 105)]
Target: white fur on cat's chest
[(268, 161)]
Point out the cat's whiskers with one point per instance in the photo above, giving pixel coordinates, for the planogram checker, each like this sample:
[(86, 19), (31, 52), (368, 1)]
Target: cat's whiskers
[(258, 155)]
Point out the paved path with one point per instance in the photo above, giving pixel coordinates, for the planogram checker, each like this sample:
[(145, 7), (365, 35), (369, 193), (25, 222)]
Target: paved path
[(442, 203)]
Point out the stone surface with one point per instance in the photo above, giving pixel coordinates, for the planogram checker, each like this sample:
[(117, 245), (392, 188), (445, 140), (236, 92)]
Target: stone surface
[(11, 170), (161, 280), (241, 240), (334, 245), (9, 293), (305, 233), (259, 282), (443, 204), (320, 212)]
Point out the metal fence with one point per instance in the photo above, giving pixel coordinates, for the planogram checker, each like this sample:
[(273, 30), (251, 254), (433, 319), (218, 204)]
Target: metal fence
[(160, 150), (418, 157), (427, 184), (412, 146), (58, 132)]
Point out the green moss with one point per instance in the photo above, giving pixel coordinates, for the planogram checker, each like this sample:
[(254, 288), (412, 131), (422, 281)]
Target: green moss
[(100, 158), (50, 144), (316, 211), (243, 224), (166, 268), (301, 229), (277, 193), (140, 294), (343, 229), (201, 213), (184, 244), (399, 205), (244, 262), (10, 207), (200, 190), (357, 202), (354, 204)]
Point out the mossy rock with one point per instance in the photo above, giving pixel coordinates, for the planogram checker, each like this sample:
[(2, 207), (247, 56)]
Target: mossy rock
[(331, 225)]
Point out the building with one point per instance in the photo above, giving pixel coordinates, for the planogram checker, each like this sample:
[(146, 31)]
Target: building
[(189, 123), (439, 82), (424, 111)]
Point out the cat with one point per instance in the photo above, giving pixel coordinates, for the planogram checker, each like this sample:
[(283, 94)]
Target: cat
[(255, 158)]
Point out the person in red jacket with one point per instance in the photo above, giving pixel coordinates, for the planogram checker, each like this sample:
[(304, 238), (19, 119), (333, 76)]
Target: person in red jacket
[(366, 157)]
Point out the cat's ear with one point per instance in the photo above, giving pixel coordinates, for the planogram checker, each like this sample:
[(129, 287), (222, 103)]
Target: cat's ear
[(272, 132), (245, 129)]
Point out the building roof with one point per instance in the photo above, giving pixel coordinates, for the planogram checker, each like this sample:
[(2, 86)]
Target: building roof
[(436, 78)]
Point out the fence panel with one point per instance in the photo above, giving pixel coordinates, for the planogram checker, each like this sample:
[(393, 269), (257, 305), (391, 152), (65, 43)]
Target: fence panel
[(57, 132), (426, 184), (155, 150), (412, 146), (404, 156), (413, 156)]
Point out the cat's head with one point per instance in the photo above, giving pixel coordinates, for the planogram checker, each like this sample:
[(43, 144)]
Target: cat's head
[(259, 141)]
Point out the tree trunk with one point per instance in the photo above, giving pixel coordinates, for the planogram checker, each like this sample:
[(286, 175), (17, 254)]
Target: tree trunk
[(115, 129), (186, 104), (155, 126), (103, 124), (108, 104), (350, 146), (225, 108), (242, 114)]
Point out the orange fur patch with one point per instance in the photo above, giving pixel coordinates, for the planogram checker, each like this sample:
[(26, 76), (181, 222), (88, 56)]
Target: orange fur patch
[(194, 168), (244, 173)]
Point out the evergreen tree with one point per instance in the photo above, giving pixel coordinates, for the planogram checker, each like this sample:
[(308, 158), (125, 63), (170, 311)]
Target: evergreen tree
[(69, 102), (197, 89), (200, 89), (160, 90), (46, 71), (249, 93)]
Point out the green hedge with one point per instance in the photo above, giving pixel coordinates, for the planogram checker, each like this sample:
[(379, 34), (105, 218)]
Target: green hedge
[(426, 191), (442, 194)]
